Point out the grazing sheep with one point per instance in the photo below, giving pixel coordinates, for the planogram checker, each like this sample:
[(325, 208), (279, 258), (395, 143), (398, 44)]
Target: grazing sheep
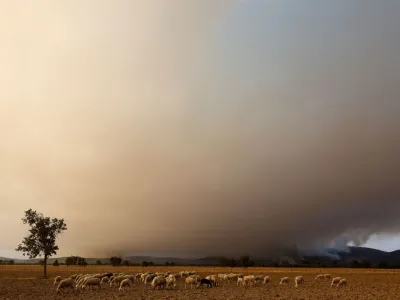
[(258, 279), (159, 282), (284, 280), (249, 279), (73, 276), (213, 279), (69, 282), (57, 279), (205, 282), (191, 281), (171, 281), (81, 281), (92, 281), (335, 281), (298, 280), (108, 275), (267, 280), (149, 278), (320, 276), (105, 279), (327, 276), (342, 282), (117, 280), (125, 282), (240, 281)]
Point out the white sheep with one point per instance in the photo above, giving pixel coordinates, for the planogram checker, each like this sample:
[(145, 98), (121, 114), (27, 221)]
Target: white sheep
[(248, 280), (81, 281), (117, 280), (65, 284), (342, 282), (327, 276), (125, 282), (191, 280), (73, 276), (159, 282), (239, 281), (320, 276), (335, 281), (298, 280), (105, 280), (92, 281), (213, 279), (57, 279), (267, 280), (149, 278), (171, 281), (284, 280)]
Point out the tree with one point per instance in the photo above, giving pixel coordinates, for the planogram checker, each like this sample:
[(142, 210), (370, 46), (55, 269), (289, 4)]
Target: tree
[(41, 262), (69, 261), (98, 262), (115, 261), (1, 261), (233, 263), (383, 265), (144, 263), (245, 260), (56, 264), (42, 237), (126, 263), (11, 262)]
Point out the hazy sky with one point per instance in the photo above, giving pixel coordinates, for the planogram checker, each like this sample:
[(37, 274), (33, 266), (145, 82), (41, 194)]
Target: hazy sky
[(201, 127)]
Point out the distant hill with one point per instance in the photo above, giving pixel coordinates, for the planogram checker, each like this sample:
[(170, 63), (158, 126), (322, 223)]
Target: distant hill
[(354, 253)]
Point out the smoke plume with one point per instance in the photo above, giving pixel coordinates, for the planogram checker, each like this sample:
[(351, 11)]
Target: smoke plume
[(194, 128)]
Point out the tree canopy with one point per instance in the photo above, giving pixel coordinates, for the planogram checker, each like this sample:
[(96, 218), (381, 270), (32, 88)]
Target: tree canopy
[(43, 233)]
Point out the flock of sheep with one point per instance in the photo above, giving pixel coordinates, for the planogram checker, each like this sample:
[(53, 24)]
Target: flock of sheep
[(169, 280)]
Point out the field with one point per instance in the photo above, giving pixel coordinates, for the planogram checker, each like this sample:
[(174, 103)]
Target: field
[(25, 282)]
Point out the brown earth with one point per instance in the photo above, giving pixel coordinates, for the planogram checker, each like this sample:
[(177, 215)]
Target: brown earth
[(25, 282)]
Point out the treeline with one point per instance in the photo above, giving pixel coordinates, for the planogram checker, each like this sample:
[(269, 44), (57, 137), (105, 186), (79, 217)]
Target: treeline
[(7, 262)]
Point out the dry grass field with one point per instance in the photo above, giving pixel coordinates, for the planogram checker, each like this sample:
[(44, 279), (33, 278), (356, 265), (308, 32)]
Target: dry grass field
[(25, 282)]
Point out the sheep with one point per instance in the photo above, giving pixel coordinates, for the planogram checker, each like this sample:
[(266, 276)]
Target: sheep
[(137, 277), (267, 280), (57, 279), (73, 276), (239, 281), (125, 282), (258, 279), (69, 282), (117, 280), (213, 279), (105, 279), (320, 276), (81, 281), (335, 281), (159, 282), (171, 281), (342, 282), (149, 279), (284, 280), (327, 276), (191, 280), (249, 279), (108, 275), (298, 280), (92, 281)]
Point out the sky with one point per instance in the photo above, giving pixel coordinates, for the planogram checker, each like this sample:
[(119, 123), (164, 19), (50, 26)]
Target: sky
[(193, 128)]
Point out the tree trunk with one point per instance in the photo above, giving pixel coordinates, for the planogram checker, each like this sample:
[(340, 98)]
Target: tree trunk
[(45, 266)]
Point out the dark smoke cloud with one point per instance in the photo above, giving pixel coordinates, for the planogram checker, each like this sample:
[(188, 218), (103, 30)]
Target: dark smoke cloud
[(201, 128)]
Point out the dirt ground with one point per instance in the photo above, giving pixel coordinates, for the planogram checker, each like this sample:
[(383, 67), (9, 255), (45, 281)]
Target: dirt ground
[(25, 282)]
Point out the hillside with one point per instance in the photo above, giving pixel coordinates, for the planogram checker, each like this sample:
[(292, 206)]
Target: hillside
[(354, 253)]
